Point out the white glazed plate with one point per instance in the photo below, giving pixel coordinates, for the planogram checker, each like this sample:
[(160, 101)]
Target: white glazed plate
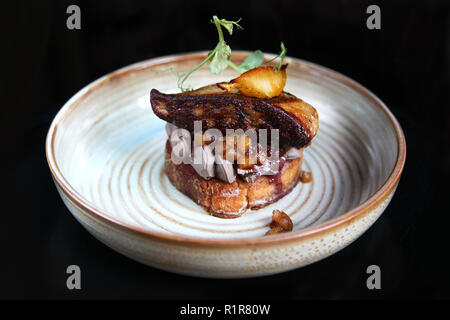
[(105, 149)]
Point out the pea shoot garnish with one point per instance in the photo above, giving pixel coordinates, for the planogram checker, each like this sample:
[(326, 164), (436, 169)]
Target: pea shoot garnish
[(220, 57)]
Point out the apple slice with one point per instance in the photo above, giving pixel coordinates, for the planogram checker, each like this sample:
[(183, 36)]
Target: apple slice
[(261, 82)]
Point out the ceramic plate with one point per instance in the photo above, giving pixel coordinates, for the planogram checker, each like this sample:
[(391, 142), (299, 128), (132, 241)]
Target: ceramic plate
[(105, 149)]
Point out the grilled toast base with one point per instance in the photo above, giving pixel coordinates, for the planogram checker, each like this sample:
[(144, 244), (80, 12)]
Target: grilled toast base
[(230, 200)]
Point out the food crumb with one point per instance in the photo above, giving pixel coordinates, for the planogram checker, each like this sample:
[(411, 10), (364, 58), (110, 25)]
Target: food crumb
[(281, 222), (305, 176)]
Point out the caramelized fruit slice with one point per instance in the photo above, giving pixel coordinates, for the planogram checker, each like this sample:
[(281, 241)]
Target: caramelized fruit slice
[(261, 82), (281, 222)]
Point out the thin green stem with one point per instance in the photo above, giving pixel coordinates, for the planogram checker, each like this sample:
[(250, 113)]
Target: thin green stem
[(210, 55), (187, 74), (219, 28), (235, 67)]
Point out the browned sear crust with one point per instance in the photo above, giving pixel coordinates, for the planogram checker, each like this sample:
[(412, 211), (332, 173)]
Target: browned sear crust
[(296, 120)]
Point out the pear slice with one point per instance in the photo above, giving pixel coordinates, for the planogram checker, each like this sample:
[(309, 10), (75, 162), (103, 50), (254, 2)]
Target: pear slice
[(260, 82)]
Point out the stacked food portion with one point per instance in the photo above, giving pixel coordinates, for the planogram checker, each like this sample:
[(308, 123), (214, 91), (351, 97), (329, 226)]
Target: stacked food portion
[(237, 145)]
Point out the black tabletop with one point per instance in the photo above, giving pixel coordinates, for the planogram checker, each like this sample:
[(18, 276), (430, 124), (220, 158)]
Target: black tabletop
[(406, 63)]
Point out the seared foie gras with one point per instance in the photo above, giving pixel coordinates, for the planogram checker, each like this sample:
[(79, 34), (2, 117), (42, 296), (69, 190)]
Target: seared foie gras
[(236, 171), (221, 109)]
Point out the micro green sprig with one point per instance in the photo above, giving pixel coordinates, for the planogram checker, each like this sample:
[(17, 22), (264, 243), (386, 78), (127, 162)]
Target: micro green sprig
[(281, 56), (220, 56)]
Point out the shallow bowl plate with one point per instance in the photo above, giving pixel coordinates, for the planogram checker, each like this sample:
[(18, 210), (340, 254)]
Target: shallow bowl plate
[(105, 149)]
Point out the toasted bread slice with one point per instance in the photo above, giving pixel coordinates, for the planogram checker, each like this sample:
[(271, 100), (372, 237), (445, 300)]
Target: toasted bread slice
[(230, 200)]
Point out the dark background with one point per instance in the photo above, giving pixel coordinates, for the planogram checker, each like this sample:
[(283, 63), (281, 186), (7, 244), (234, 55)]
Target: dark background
[(406, 64)]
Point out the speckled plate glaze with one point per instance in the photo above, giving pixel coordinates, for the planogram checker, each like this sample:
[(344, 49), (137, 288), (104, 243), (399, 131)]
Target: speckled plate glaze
[(105, 149)]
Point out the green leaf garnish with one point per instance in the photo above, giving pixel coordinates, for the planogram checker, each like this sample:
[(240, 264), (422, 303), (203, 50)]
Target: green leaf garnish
[(219, 61), (226, 24), (252, 61), (219, 58)]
